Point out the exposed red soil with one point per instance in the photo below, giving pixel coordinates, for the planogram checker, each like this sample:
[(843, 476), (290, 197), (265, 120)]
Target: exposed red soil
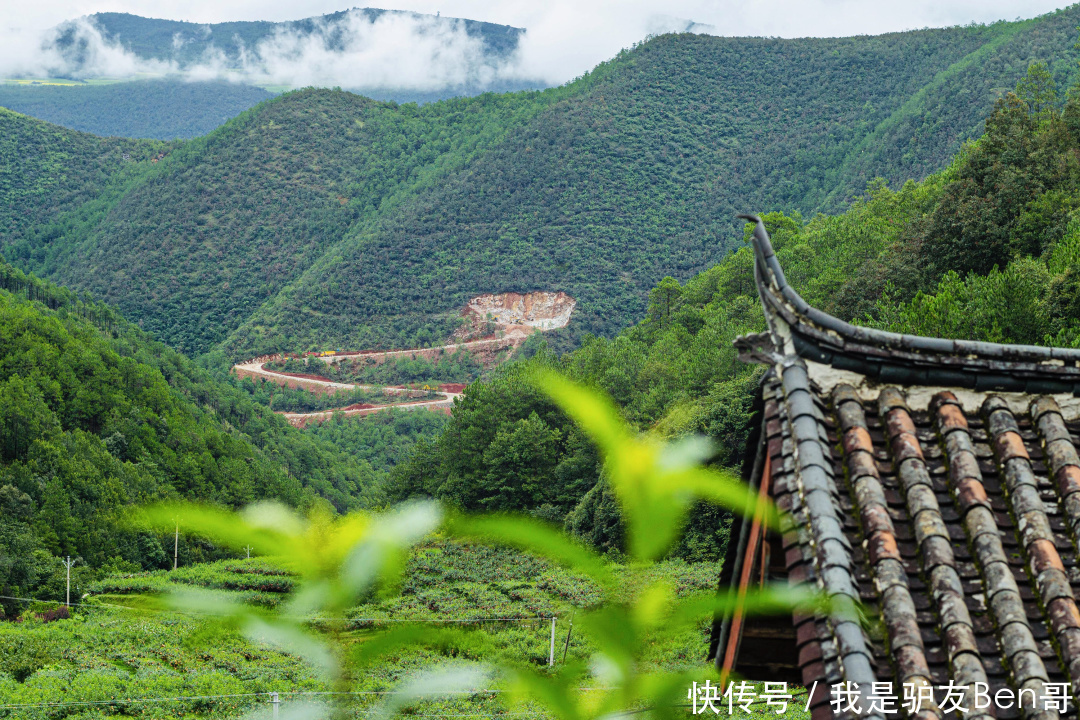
[(452, 387), (315, 386), (496, 326), (304, 376)]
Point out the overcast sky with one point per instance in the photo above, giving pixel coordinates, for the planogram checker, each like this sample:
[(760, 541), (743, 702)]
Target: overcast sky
[(565, 37), (603, 20)]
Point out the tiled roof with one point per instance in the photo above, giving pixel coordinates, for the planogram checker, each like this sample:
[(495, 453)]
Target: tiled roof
[(933, 490)]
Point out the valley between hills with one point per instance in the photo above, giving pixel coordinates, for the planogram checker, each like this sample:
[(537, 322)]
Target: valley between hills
[(352, 408)]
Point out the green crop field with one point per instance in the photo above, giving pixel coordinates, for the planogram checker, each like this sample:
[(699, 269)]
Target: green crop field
[(125, 641)]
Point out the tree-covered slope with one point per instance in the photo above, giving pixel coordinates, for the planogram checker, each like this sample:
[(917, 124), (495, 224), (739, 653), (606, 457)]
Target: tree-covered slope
[(987, 249), (320, 219), (95, 416), (638, 172), (226, 221), (47, 170), (158, 109)]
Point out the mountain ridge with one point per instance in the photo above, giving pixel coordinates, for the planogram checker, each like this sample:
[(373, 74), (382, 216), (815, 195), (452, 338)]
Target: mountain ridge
[(153, 38), (598, 188)]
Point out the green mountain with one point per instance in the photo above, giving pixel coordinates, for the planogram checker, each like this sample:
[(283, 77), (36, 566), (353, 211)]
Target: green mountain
[(239, 214), (321, 219), (180, 103), (159, 109), (95, 416), (467, 56), (188, 43), (47, 172)]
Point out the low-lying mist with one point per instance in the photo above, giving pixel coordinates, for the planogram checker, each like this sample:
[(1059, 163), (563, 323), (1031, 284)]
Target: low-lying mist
[(392, 50)]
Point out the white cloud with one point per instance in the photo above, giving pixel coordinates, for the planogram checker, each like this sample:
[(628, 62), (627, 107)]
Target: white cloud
[(395, 50), (564, 38), (37, 54)]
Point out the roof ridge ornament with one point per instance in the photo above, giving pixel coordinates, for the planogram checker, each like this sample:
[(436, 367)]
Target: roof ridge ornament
[(890, 357)]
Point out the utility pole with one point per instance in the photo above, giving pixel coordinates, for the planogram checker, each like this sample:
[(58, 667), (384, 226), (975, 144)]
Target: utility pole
[(176, 545), (275, 702), (68, 563), (551, 651), (568, 632), (248, 548)]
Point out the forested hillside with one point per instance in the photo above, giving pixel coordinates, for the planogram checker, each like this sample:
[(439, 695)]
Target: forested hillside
[(48, 173), (320, 219), (95, 416), (158, 109), (228, 220), (988, 249)]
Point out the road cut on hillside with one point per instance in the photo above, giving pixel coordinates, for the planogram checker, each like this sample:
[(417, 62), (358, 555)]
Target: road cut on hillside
[(515, 315), (254, 369)]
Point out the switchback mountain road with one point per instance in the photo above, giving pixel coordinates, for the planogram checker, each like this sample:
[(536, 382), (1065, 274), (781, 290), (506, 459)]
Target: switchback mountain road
[(254, 368), (514, 315)]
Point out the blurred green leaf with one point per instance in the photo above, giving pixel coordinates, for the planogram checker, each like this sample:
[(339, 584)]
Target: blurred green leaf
[(595, 412), (288, 637), (533, 535), (453, 680), (382, 552), (774, 599), (656, 482), (556, 693)]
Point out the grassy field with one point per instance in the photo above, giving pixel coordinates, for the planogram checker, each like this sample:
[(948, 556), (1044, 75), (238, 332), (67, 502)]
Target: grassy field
[(123, 641), (482, 605)]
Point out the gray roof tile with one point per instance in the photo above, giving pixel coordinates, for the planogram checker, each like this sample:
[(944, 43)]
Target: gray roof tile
[(956, 528)]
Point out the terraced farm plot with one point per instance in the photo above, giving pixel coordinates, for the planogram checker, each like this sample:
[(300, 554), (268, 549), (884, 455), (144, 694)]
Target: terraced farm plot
[(125, 643)]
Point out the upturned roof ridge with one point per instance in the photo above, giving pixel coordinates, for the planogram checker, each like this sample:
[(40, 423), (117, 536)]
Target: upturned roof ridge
[(894, 357)]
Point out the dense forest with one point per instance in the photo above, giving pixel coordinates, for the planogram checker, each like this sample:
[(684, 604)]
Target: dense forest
[(321, 219), (96, 416), (156, 109), (48, 172), (249, 208), (385, 439)]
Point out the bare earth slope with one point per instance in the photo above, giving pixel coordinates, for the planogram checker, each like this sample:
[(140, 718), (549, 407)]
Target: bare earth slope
[(514, 315)]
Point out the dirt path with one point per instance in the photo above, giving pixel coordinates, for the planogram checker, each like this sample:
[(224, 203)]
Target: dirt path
[(516, 316), (254, 368), (445, 403), (512, 337)]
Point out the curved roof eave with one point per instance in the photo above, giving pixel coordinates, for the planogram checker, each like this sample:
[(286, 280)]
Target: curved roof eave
[(902, 359)]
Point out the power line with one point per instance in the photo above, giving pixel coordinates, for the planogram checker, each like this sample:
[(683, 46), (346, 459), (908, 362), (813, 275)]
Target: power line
[(531, 618), (126, 701), (357, 693)]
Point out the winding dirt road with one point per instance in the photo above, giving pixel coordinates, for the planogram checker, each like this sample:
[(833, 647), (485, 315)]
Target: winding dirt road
[(254, 368), (516, 316)]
